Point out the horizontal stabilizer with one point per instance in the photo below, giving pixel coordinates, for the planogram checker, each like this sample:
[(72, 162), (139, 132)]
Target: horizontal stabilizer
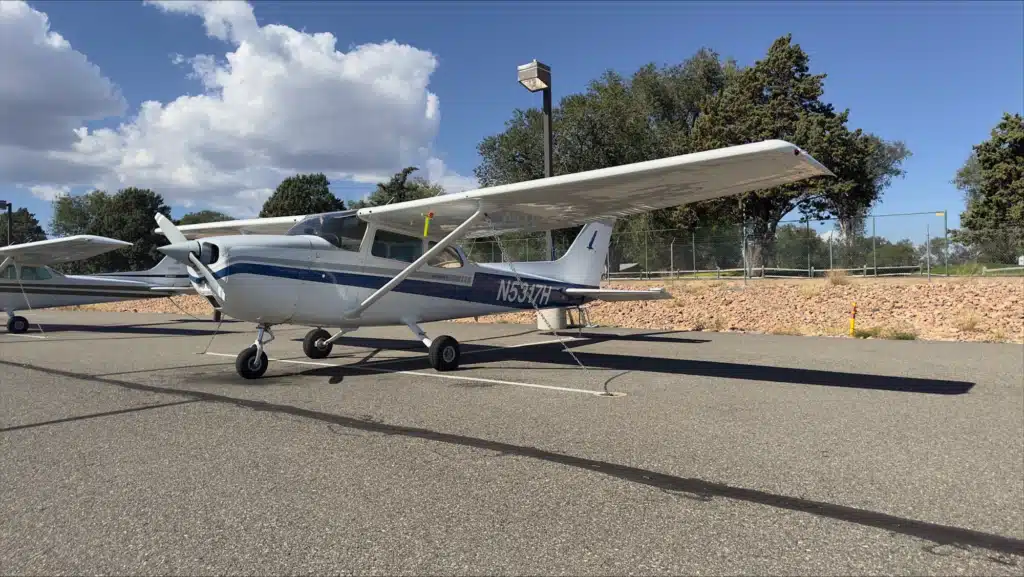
[(618, 295)]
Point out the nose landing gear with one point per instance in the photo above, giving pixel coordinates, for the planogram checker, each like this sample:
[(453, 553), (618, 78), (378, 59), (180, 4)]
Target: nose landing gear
[(252, 362)]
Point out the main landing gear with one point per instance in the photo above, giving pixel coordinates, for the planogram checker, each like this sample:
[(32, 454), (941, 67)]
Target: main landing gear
[(318, 343), (443, 351), (252, 362), (16, 325)]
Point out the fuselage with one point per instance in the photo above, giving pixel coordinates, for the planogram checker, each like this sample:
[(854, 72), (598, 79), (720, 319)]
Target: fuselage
[(307, 280), (28, 287), (70, 291)]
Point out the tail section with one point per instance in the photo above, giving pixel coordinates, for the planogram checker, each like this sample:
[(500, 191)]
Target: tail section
[(167, 273), (584, 262)]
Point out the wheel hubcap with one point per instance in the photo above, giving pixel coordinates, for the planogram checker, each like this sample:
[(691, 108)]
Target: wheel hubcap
[(449, 354), (254, 363)]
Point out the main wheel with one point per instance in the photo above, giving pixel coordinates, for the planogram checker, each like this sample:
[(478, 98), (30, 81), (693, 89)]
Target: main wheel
[(250, 366), (444, 353), (17, 325), (310, 347)]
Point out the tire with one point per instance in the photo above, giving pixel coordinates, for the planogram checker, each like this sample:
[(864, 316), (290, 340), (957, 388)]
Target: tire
[(309, 344), (243, 363), (17, 325), (444, 353)]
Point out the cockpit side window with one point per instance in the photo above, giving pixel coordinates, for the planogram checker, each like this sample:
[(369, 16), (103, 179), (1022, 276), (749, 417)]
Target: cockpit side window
[(344, 232), (395, 246), (35, 273)]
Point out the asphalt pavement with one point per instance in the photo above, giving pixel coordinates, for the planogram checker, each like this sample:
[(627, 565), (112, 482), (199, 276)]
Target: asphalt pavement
[(130, 446)]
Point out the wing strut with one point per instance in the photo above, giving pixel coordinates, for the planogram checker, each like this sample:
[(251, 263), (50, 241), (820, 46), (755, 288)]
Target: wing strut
[(415, 266)]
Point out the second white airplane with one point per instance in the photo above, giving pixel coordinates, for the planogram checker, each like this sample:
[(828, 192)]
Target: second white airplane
[(398, 264), (27, 281)]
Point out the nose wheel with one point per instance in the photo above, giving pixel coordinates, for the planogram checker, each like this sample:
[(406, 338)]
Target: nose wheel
[(252, 362)]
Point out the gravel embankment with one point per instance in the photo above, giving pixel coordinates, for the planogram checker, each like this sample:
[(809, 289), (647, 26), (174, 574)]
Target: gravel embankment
[(965, 309)]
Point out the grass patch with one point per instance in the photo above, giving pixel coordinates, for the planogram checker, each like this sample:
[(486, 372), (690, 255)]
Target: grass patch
[(790, 331), (873, 332), (837, 277), (713, 323), (886, 333), (900, 335), (968, 321)]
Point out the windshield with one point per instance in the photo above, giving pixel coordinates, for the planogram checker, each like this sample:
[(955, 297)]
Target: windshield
[(342, 229)]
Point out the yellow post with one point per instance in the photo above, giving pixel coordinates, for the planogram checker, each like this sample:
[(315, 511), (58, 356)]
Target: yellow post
[(426, 223), (853, 319)]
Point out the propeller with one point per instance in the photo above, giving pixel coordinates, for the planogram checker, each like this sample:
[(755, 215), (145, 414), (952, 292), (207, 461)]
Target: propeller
[(185, 251)]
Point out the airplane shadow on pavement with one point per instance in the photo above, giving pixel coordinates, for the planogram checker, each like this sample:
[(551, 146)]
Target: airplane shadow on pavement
[(554, 354)]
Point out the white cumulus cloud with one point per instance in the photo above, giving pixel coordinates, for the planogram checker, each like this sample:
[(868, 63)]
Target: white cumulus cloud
[(47, 90), (48, 191), (281, 102)]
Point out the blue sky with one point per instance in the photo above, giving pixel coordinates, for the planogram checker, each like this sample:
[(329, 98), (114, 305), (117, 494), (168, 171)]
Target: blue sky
[(937, 75)]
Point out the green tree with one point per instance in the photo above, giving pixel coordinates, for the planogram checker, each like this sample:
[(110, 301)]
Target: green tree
[(779, 98), (968, 179), (74, 215), (302, 194), (992, 180), (24, 227), (400, 188), (203, 216), (903, 253), (126, 215), (617, 121)]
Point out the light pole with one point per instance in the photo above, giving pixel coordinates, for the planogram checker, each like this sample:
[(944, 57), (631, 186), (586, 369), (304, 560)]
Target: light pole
[(4, 204), (537, 76)]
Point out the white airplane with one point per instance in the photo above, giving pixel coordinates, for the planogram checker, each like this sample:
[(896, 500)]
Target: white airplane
[(28, 282), (397, 264)]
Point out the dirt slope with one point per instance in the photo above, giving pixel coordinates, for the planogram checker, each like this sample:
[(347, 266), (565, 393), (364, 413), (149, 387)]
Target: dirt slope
[(970, 309)]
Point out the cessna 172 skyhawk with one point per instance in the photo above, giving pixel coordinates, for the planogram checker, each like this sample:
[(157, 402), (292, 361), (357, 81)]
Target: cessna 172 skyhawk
[(28, 282), (397, 264)]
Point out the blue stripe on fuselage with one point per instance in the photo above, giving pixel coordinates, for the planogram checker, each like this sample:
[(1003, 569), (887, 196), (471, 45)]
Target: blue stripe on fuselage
[(486, 287)]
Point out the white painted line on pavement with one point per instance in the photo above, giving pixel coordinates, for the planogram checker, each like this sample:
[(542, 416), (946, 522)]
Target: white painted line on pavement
[(435, 376)]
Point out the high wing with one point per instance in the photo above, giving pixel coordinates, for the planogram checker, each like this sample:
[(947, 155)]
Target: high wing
[(574, 199), (60, 250), (274, 225)]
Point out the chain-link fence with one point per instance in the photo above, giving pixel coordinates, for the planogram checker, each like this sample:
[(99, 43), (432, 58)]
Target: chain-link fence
[(908, 244)]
